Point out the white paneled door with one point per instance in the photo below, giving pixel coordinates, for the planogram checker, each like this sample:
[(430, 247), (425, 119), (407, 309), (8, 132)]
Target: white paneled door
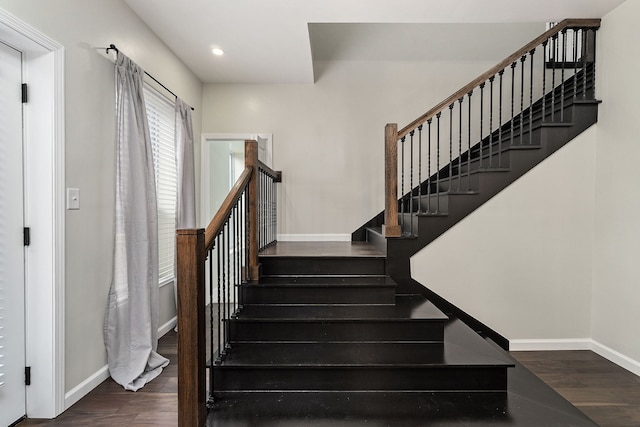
[(12, 309)]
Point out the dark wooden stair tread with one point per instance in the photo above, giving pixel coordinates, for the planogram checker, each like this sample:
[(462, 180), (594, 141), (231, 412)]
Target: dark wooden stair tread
[(407, 307), (462, 348), (323, 282)]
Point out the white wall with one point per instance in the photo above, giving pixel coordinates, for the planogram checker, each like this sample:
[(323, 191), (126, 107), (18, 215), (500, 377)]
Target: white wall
[(328, 138), (90, 121), (616, 291), (521, 263)]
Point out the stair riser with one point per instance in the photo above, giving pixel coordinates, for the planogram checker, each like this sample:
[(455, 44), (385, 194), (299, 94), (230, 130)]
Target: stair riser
[(336, 331), (322, 266), (361, 378), (319, 295), (377, 239)]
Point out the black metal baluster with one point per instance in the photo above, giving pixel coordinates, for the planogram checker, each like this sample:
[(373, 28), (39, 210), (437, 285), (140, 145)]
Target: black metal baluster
[(450, 146), (544, 79), (531, 55), (260, 210), (211, 327), (429, 166), (501, 94), (469, 142), (585, 53), (553, 78), (241, 260), (420, 169), (593, 68), (564, 64), (438, 163), (225, 320), (411, 183), (275, 216), (522, 60), (402, 140), (229, 314), (236, 263), (575, 63), (246, 236), (271, 211), (459, 141), (491, 79), (219, 300), (259, 207), (411, 134), (481, 123), (263, 198), (267, 225), (513, 85)]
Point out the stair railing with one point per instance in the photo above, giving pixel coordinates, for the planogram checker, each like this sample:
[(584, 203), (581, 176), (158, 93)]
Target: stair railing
[(268, 208), (470, 129), (212, 265)]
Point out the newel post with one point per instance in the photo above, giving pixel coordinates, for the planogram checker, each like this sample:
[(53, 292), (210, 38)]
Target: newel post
[(190, 254), (251, 161), (391, 227)]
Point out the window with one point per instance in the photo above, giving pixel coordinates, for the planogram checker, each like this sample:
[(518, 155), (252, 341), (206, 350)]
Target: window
[(161, 117)]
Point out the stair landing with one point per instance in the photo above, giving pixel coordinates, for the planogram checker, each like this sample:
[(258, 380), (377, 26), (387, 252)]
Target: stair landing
[(322, 249)]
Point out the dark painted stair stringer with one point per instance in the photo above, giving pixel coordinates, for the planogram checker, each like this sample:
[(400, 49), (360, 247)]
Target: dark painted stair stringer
[(490, 182)]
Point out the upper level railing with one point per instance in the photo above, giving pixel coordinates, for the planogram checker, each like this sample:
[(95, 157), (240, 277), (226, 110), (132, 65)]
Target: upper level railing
[(268, 207), (436, 152), (212, 266)]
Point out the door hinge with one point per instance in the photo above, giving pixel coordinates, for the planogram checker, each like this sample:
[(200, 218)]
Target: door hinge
[(25, 93), (27, 375), (27, 236)]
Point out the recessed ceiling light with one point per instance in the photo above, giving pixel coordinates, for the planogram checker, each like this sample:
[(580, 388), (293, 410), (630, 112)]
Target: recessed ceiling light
[(217, 51)]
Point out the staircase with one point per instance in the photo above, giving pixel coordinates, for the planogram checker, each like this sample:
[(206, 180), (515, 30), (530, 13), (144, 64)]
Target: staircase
[(512, 148), (326, 331), (334, 325)]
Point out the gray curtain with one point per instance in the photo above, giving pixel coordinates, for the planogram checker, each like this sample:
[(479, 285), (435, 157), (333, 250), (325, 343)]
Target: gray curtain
[(186, 198), (131, 321), (186, 204)]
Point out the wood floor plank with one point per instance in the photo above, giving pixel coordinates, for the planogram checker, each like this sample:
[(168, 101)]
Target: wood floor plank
[(602, 390)]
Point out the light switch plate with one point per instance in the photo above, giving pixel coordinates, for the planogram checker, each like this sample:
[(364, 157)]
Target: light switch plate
[(73, 198)]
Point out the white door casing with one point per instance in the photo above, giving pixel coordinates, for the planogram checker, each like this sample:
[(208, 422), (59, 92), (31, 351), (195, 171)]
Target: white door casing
[(43, 119), (12, 286)]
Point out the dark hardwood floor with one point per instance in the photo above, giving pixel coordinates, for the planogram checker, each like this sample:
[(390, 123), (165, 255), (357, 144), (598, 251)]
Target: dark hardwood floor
[(605, 392)]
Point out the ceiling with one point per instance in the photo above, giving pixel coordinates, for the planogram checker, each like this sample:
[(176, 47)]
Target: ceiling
[(277, 41)]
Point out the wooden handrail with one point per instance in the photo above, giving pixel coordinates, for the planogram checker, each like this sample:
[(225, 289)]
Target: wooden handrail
[(276, 175), (566, 24), (224, 211)]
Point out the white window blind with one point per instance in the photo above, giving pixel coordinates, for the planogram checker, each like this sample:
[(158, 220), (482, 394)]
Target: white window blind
[(161, 117)]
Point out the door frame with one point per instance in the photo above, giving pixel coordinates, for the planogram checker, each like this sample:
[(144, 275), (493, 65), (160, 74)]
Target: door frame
[(205, 190), (43, 139)]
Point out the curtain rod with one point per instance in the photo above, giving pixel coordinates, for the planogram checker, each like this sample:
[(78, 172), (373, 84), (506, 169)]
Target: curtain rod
[(113, 47)]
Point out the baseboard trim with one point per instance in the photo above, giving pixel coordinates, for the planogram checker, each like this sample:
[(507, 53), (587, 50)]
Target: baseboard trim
[(616, 357), (314, 237), (610, 354), (162, 330), (551, 344), (82, 389)]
